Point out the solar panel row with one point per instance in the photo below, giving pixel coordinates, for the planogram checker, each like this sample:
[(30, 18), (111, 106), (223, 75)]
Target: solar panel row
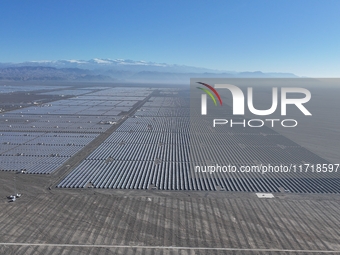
[(151, 150)]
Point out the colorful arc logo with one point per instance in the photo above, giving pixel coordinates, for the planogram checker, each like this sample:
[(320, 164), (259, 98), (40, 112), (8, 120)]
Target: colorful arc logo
[(209, 93), (204, 97)]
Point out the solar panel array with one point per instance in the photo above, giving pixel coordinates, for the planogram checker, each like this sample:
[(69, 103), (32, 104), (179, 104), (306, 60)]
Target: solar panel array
[(39, 152), (69, 92), (5, 89), (55, 123), (39, 139), (160, 145)]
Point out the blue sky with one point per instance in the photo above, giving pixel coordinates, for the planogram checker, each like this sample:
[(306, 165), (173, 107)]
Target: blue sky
[(300, 36)]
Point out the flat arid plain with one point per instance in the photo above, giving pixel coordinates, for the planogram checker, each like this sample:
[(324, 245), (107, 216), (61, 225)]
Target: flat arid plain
[(105, 169)]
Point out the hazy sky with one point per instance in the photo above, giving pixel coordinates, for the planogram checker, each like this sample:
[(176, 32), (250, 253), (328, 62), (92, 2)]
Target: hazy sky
[(299, 36)]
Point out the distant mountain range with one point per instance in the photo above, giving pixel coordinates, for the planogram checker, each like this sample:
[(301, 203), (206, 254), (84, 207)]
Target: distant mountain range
[(117, 70)]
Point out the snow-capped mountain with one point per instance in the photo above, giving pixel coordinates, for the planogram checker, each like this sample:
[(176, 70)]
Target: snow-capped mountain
[(115, 69), (115, 64)]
